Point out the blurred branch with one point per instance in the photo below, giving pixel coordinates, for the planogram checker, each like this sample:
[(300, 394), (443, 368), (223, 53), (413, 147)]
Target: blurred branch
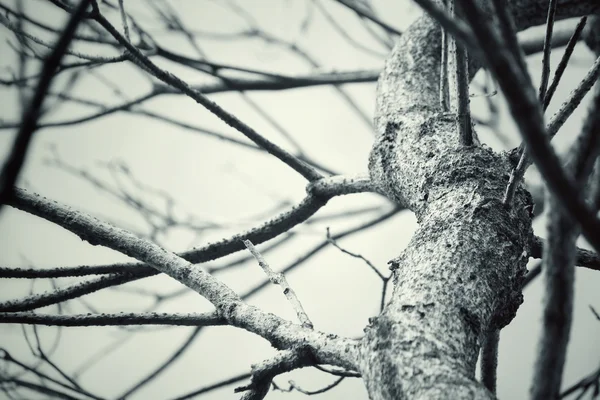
[(560, 69), (181, 349), (16, 157), (368, 15), (559, 257), (214, 386)]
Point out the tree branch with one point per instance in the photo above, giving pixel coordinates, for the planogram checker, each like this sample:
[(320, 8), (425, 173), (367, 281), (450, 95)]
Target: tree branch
[(16, 157), (118, 319), (230, 307)]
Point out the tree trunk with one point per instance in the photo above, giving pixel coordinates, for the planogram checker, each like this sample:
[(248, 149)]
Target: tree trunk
[(462, 273)]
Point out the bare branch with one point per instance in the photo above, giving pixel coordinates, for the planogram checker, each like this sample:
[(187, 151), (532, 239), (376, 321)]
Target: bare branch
[(119, 319), (526, 111), (547, 49), (567, 108), (299, 166), (279, 279), (263, 373), (334, 243), (457, 28), (181, 349), (583, 258), (280, 333), (17, 154), (214, 386), (458, 76), (368, 15), (562, 65), (559, 259)]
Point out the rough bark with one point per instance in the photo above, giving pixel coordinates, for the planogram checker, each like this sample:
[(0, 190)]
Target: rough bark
[(462, 273)]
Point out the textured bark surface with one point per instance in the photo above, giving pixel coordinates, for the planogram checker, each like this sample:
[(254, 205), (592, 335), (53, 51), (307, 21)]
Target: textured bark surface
[(462, 272)]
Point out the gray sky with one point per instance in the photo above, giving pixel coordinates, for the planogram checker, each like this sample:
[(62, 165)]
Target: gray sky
[(224, 184)]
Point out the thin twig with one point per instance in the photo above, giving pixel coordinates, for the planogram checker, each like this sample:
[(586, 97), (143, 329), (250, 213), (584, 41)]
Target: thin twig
[(368, 15), (334, 243), (124, 19), (179, 351), (118, 319), (562, 65), (170, 79), (547, 50), (444, 91), (279, 279), (567, 108), (214, 386), (456, 27), (458, 74)]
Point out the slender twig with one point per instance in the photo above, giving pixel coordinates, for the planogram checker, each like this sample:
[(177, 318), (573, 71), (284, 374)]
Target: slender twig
[(572, 102), (119, 319), (368, 15), (299, 166), (43, 389), (124, 20), (214, 386), (279, 279), (323, 245), (593, 310), (17, 154), (458, 74), (71, 385), (49, 45), (588, 382), (562, 65), (263, 373), (294, 386), (547, 50), (180, 351), (444, 90), (334, 243)]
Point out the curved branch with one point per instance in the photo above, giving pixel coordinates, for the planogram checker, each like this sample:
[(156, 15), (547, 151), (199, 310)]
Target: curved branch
[(282, 334)]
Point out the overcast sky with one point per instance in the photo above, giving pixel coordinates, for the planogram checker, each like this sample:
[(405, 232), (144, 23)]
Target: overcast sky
[(232, 188)]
